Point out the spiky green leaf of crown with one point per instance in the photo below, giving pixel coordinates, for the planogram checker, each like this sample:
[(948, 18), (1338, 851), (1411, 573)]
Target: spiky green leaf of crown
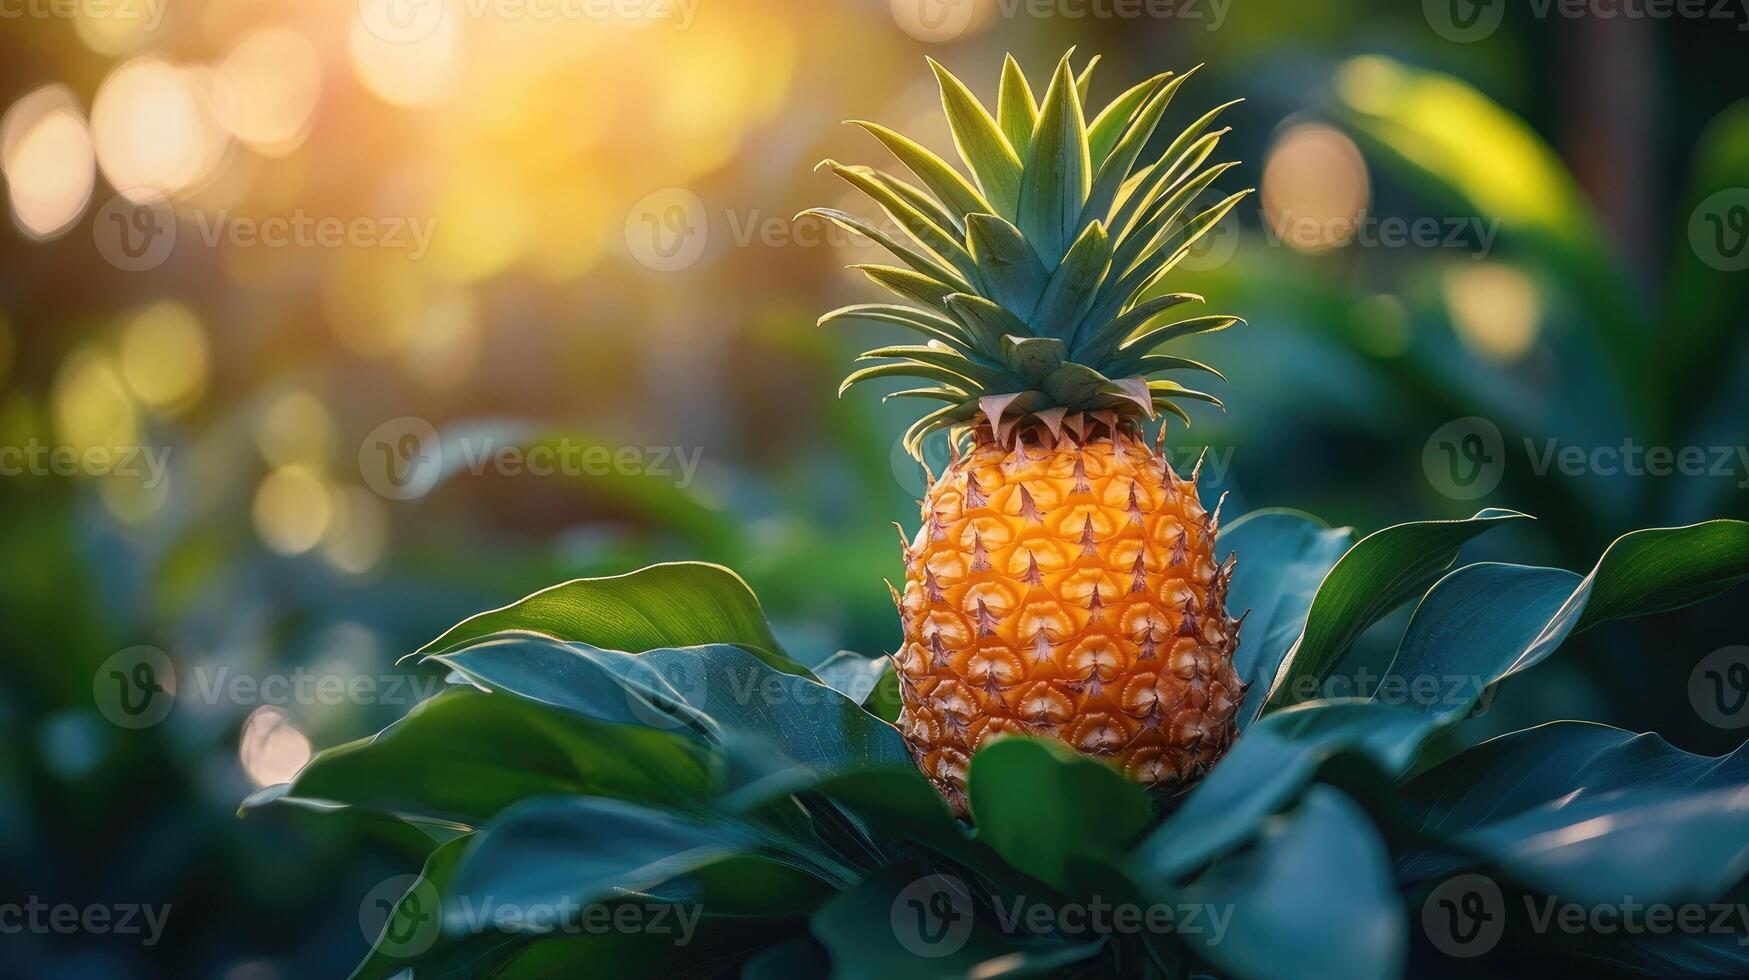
[(1033, 282)]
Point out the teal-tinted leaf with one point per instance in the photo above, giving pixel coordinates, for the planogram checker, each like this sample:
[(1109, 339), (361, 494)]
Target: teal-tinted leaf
[(1012, 270), (985, 322), (1054, 184), (1111, 123), (1163, 177), (1038, 803), (1282, 557), (910, 922), (1073, 384), (931, 325), (908, 369), (1032, 358), (1073, 286), (1100, 340), (1016, 110), (716, 690), (1486, 622), (956, 193), (574, 852), (1271, 765), (676, 604), (1314, 899), (465, 755), (1512, 803), (911, 285), (1084, 80), (1380, 573), (981, 143), (1153, 337), (922, 264), (852, 674), (922, 201), (980, 371), (1184, 241)]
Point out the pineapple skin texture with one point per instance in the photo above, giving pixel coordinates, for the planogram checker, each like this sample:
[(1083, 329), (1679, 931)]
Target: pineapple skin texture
[(1067, 591)]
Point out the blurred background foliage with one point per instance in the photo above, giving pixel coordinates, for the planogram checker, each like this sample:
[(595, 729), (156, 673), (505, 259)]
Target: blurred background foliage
[(1563, 162)]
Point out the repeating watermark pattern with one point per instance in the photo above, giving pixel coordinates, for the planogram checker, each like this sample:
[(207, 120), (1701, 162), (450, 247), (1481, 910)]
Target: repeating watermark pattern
[(140, 686), (405, 457), (1718, 687), (1468, 21), (1467, 916), (404, 917), (135, 688), (147, 13), (668, 230), (412, 21), (1471, 234), (1428, 692), (1466, 458), (138, 232), (932, 917), (147, 464), (1718, 231), (39, 917)]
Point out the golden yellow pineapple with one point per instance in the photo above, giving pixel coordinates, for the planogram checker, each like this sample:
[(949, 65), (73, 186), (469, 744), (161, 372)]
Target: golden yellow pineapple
[(1064, 581)]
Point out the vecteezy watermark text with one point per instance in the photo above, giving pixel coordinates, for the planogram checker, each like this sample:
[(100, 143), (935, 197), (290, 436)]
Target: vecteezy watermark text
[(34, 915), (1465, 459), (148, 464), (1467, 916), (411, 21), (147, 13), (1466, 21)]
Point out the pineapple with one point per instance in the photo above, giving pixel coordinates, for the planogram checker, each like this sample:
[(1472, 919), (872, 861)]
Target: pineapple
[(1064, 580)]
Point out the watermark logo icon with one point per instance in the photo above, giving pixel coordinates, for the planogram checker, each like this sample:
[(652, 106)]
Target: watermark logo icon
[(934, 21), (937, 456), (1718, 231), (1465, 458), (402, 458), (401, 21), (932, 916), (1464, 21), (135, 234), (664, 691), (135, 688), (667, 230), (401, 916), (1718, 688), (1465, 916), (1216, 245)]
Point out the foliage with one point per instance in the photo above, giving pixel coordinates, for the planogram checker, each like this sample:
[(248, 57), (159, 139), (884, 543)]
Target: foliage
[(723, 778)]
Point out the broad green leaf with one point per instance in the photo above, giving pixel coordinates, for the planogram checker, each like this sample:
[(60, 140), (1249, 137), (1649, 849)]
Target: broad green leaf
[(1039, 803), (1271, 765), (1485, 622), (980, 142), (956, 193), (677, 604), (1380, 573), (1314, 899), (909, 921), (579, 851), (1485, 804), (1016, 110), (986, 322), (465, 755), (715, 690), (852, 674), (1012, 270), (1282, 558), (1055, 182)]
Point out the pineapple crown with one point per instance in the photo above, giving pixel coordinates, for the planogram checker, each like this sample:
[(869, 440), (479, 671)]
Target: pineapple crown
[(1034, 281)]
